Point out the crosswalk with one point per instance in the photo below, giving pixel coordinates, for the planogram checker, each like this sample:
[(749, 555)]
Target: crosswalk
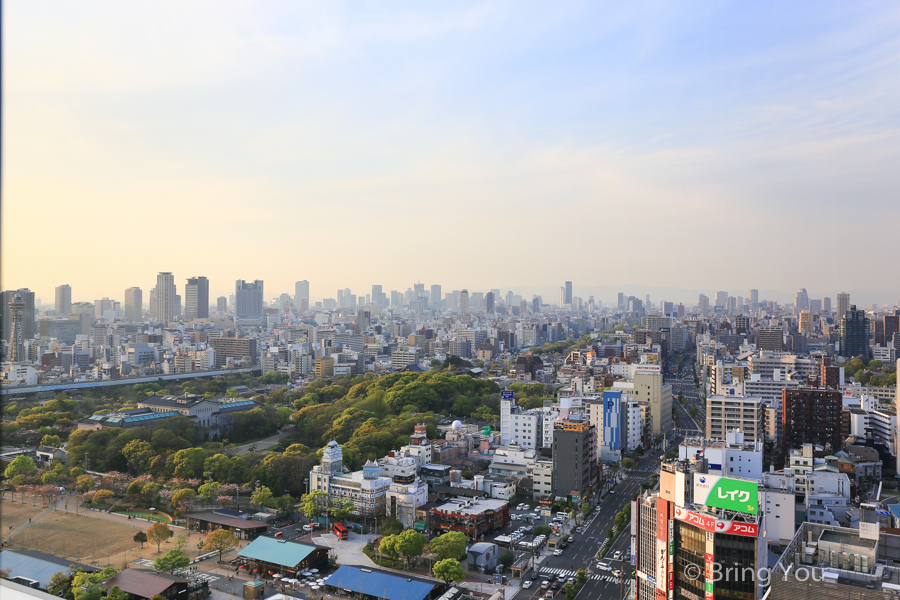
[(547, 571), (195, 575)]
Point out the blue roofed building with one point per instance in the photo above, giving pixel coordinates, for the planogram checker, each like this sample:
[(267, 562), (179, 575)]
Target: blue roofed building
[(35, 569), (371, 583)]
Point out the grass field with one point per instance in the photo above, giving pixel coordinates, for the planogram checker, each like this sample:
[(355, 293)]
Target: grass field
[(82, 539), (15, 513), (155, 516)]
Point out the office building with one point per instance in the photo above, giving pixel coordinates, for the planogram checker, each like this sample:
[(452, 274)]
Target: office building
[(721, 299), (24, 313), (811, 416), (843, 304), (826, 305), (518, 426), (221, 305), (854, 333), (489, 302), (568, 293), (436, 302), (647, 386), (63, 304), (574, 458), (703, 304), (163, 298), (886, 327), (801, 300), (806, 322), (196, 298), (248, 297), (134, 302), (753, 296), (301, 295)]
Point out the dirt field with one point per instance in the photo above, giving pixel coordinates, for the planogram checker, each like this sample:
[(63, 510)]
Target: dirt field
[(15, 513), (91, 541)]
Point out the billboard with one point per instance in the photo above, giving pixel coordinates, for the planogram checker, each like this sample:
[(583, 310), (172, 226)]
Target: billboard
[(711, 524), (612, 420), (506, 395), (723, 492), (662, 548)]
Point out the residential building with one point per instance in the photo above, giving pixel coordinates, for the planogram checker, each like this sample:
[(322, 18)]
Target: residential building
[(574, 457), (854, 333), (233, 348), (771, 337), (521, 427), (735, 456), (811, 416), (843, 304), (732, 412), (63, 305), (403, 358), (164, 294), (134, 305), (248, 298)]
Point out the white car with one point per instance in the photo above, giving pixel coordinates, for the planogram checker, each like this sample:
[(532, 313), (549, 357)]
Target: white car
[(527, 585), (557, 553), (617, 555), (307, 528)]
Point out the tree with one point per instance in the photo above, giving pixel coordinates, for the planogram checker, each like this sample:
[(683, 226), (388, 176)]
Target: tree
[(189, 462), (627, 463), (639, 451), (102, 498), (411, 543), (21, 465), (138, 454), (51, 441), (262, 497), (140, 537), (449, 570), (311, 503), (449, 545), (171, 561), (182, 499), (507, 558), (341, 510), (117, 594), (220, 541), (180, 542), (84, 483), (542, 530), (159, 533)]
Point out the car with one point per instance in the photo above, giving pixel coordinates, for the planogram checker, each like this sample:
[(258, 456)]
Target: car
[(307, 528), (545, 584), (578, 530), (527, 585), (617, 555), (570, 580), (560, 577), (564, 545), (279, 534), (554, 585), (603, 566), (557, 552)]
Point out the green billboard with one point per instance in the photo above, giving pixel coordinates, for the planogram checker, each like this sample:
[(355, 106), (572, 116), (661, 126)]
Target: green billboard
[(723, 492)]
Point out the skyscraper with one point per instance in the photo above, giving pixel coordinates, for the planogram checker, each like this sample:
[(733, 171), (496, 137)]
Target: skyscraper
[(301, 295), (854, 332), (806, 322), (221, 305), (165, 297), (15, 306), (621, 301), (489, 302), (64, 299), (134, 300), (196, 298), (703, 303), (721, 299), (568, 292), (801, 300), (248, 298), (464, 302), (826, 305), (843, 304), (436, 297), (754, 296)]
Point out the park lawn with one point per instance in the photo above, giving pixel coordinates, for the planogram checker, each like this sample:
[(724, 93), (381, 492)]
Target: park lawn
[(159, 517), (15, 514)]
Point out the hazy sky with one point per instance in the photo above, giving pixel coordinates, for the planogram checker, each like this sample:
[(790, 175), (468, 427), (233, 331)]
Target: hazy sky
[(692, 145)]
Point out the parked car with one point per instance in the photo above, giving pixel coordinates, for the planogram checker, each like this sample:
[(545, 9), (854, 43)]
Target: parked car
[(307, 528)]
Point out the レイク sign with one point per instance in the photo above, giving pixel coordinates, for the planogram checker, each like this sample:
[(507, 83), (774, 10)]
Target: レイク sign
[(724, 492)]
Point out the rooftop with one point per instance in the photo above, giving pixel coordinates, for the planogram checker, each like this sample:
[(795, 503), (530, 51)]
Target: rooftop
[(271, 550), (382, 584)]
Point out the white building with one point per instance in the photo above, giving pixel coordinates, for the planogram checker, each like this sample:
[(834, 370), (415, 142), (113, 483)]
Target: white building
[(520, 427), (513, 461), (543, 479), (733, 412), (732, 457), (366, 489)]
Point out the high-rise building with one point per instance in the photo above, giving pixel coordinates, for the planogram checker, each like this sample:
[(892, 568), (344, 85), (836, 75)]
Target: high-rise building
[(574, 458), (811, 416), (196, 298), (165, 297), (886, 327), (26, 297), (134, 300), (489, 302), (771, 337), (63, 299), (721, 299), (826, 305), (101, 306), (801, 300), (15, 306), (568, 293), (221, 305), (843, 304), (248, 298), (753, 296), (854, 332), (301, 295), (436, 297), (464, 302), (620, 298), (703, 304), (730, 413), (806, 322)]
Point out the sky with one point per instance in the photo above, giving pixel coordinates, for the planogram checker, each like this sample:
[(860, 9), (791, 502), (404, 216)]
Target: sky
[(677, 146)]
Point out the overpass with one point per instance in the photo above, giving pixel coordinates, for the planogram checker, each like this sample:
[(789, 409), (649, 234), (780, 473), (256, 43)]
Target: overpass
[(78, 385)]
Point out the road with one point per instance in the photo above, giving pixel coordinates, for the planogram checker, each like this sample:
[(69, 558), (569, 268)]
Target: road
[(260, 445)]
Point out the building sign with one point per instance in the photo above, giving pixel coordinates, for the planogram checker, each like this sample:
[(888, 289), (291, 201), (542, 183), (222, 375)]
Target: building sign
[(727, 493), (506, 395), (716, 525), (662, 548)]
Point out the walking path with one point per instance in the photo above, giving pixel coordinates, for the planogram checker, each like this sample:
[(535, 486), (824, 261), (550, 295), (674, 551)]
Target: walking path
[(30, 522)]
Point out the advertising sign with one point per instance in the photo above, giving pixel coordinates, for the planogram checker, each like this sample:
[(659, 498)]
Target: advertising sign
[(612, 418), (662, 547), (506, 395), (716, 525), (727, 493)]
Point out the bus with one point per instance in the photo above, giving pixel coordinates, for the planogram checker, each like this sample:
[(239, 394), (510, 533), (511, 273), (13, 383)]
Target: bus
[(340, 531)]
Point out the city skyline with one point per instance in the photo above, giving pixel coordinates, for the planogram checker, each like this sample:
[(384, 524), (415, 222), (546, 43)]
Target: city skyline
[(413, 128)]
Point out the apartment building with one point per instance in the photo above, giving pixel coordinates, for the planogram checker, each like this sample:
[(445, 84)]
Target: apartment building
[(732, 412)]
